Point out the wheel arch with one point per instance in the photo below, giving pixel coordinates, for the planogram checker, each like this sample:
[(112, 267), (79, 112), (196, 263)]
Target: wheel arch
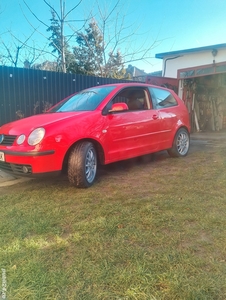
[(98, 147), (178, 128), (174, 151), (182, 127)]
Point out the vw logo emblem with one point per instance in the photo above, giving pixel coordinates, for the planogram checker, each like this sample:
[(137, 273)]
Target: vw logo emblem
[(1, 138)]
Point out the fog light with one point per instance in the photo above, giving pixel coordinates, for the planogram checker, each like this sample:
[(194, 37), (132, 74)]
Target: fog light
[(25, 169)]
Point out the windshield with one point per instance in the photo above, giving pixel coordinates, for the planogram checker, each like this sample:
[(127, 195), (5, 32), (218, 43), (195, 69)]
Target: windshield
[(85, 100)]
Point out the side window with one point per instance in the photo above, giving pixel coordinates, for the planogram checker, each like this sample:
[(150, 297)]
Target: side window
[(120, 98), (135, 97), (162, 98)]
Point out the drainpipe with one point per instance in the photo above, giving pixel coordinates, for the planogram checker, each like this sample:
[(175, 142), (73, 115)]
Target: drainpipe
[(170, 58)]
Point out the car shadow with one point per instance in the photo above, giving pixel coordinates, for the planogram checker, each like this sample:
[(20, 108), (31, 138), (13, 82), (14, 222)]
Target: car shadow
[(126, 165)]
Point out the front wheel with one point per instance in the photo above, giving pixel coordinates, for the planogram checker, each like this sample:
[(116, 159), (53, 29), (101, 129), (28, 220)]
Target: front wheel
[(82, 165), (181, 144)]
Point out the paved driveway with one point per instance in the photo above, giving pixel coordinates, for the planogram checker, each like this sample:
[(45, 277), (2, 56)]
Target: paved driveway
[(201, 141)]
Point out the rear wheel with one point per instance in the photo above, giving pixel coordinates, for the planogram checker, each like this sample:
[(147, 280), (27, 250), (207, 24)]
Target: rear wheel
[(181, 144), (82, 165)]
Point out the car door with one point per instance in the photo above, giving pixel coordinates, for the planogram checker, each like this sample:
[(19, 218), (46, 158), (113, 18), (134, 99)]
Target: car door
[(132, 132)]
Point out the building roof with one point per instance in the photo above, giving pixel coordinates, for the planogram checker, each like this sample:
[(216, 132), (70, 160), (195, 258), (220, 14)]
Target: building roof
[(180, 52), (134, 71)]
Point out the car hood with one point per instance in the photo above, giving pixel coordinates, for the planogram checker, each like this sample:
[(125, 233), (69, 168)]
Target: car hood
[(42, 120)]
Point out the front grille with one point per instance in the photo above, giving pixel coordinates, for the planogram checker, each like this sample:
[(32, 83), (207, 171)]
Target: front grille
[(8, 140), (15, 168), (4, 166)]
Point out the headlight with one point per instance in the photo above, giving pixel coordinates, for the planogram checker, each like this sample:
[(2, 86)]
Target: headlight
[(36, 136), (21, 139)]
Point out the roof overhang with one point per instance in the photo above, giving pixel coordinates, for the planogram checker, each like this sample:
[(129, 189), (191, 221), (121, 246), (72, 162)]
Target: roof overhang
[(187, 51)]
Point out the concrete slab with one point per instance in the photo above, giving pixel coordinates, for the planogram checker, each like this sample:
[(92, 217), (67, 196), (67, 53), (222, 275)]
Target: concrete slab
[(213, 136), (8, 180), (6, 177)]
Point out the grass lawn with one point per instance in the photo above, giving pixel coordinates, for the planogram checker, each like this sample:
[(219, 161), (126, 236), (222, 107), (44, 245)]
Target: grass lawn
[(145, 230)]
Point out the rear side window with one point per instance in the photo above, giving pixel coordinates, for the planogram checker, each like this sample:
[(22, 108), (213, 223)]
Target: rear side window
[(162, 98)]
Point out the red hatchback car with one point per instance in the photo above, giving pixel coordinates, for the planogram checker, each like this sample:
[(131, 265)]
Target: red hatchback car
[(102, 124)]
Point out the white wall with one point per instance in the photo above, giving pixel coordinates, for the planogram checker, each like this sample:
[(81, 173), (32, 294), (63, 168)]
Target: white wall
[(188, 60)]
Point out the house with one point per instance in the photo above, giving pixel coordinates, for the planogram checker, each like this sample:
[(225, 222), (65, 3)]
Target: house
[(135, 73), (201, 75)]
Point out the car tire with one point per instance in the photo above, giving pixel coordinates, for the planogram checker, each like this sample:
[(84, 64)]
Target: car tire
[(181, 144), (82, 165)]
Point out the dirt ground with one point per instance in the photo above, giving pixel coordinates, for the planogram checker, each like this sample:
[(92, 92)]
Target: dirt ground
[(205, 141)]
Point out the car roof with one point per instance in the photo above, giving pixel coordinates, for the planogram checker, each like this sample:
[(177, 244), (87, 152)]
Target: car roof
[(130, 84)]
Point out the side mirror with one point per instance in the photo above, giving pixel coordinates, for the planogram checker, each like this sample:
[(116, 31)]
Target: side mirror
[(121, 106)]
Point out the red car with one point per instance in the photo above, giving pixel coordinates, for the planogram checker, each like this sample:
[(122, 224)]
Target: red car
[(102, 124)]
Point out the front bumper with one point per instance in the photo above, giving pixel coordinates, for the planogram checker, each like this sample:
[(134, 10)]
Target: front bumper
[(32, 164)]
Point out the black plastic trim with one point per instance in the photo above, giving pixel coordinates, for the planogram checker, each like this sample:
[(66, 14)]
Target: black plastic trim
[(16, 153)]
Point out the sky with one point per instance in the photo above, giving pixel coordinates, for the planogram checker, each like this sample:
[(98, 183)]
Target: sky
[(163, 25)]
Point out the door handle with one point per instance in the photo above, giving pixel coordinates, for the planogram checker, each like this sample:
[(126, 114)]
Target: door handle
[(155, 117)]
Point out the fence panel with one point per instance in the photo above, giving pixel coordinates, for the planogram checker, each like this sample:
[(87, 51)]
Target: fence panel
[(24, 92)]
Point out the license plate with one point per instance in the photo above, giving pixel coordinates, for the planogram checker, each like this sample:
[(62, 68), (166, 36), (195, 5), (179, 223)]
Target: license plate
[(2, 156)]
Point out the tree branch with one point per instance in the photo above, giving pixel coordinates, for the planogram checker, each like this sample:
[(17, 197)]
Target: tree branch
[(34, 14)]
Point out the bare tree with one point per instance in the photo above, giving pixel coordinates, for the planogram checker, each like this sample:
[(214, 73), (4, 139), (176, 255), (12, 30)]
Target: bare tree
[(109, 42), (12, 50), (117, 46), (60, 42), (119, 33), (17, 51)]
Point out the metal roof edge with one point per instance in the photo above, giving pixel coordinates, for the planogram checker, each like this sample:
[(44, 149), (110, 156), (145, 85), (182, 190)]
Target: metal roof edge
[(179, 52)]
